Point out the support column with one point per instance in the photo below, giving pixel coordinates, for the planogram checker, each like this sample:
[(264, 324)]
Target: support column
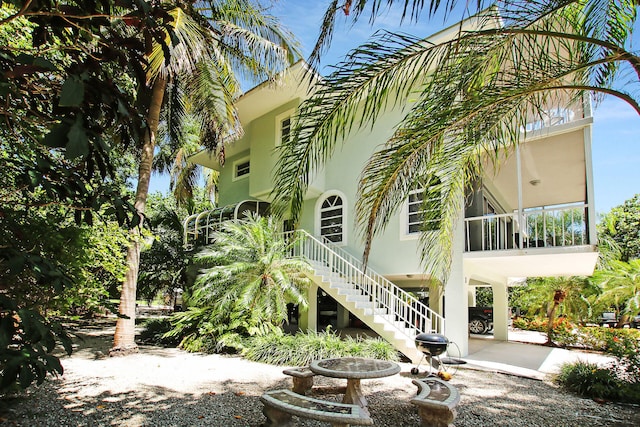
[(456, 294), (343, 317), (309, 316), (472, 296), (435, 296), (500, 312)]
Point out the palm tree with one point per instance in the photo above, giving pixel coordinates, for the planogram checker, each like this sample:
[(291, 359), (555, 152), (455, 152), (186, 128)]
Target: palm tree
[(504, 67), (620, 284), (248, 282), (212, 45)]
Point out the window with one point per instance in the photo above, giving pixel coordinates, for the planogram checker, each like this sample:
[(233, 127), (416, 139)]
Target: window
[(285, 130), (332, 218), (283, 124), (241, 168), (415, 210)]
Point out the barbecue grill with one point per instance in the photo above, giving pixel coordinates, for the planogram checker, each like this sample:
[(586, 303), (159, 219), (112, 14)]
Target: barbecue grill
[(431, 345)]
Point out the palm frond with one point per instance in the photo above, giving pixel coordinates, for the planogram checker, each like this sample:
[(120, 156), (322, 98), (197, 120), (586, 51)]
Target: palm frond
[(470, 95), (354, 10)]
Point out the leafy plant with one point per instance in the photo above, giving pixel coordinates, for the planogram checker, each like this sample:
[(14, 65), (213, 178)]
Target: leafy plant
[(249, 271), (154, 332), (26, 342), (302, 348), (589, 380)]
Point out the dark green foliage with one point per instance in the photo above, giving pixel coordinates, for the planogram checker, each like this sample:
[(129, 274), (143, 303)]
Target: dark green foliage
[(244, 288), (484, 297), (302, 348), (622, 224), (589, 380), (26, 342), (155, 330), (163, 263), (619, 381)]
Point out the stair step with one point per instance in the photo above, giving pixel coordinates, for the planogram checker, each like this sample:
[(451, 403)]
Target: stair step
[(357, 298)]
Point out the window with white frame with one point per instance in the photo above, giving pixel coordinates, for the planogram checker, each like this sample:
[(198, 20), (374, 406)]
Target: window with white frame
[(331, 218), (415, 212), (285, 130), (283, 127), (241, 168)]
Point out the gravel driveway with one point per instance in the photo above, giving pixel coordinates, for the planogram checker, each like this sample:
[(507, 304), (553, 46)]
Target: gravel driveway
[(169, 387)]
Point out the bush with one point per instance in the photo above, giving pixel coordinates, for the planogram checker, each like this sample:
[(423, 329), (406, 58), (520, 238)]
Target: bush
[(302, 348), (27, 340), (590, 380), (155, 333)]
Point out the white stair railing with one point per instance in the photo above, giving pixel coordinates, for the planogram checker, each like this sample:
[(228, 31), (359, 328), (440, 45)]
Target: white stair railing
[(400, 307)]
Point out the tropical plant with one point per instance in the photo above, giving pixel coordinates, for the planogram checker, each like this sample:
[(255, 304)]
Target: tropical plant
[(620, 285), (210, 44), (245, 286), (163, 261), (68, 114), (172, 159), (466, 98), (303, 348), (622, 225), (536, 295), (617, 381)]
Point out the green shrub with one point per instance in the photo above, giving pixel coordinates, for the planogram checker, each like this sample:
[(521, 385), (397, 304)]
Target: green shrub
[(154, 333), (302, 348), (590, 380)]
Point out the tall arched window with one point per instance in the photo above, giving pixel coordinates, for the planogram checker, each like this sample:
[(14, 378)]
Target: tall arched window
[(331, 218)]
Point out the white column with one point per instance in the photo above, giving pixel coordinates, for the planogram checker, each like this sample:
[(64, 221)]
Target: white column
[(456, 294), (591, 205), (343, 317), (500, 312), (309, 317), (472, 296)]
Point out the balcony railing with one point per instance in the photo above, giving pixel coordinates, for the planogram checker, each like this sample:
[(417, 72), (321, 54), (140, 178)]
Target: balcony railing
[(556, 226)]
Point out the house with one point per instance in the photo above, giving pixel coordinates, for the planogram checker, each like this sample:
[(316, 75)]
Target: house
[(534, 216)]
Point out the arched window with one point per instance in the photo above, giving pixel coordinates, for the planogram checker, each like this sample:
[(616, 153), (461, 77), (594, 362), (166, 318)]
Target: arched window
[(331, 218)]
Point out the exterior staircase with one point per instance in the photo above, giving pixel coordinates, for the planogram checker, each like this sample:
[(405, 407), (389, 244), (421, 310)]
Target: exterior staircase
[(388, 310)]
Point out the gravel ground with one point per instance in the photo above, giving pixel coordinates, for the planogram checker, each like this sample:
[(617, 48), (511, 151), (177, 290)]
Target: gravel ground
[(169, 387)]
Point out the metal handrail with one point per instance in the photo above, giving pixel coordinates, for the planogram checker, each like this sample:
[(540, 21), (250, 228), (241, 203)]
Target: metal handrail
[(399, 304)]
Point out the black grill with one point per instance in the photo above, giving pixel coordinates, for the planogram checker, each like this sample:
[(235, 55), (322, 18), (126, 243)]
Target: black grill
[(432, 344)]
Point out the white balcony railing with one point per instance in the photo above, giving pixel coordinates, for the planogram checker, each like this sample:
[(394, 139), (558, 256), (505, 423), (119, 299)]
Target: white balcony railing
[(555, 226)]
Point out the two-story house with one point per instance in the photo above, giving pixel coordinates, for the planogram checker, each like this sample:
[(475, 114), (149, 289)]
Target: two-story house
[(534, 216)]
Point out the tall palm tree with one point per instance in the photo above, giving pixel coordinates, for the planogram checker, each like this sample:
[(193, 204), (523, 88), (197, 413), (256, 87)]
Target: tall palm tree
[(465, 97), (213, 44)]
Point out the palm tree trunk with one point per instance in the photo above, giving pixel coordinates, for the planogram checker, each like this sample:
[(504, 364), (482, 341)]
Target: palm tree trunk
[(124, 337), (558, 298)]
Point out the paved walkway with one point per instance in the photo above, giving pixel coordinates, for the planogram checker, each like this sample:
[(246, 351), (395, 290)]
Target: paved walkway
[(528, 359)]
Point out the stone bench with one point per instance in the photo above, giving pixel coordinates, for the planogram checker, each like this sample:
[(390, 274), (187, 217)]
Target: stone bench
[(280, 405), (302, 378), (436, 402)]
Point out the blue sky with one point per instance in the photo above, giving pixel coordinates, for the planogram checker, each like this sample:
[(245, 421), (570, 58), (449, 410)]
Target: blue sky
[(616, 154)]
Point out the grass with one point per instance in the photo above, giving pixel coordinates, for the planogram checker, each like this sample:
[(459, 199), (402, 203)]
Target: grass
[(302, 348)]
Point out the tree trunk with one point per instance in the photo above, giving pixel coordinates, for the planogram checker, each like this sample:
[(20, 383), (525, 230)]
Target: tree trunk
[(558, 298), (124, 337)]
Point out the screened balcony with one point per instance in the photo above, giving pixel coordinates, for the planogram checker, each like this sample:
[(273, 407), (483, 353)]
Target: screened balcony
[(538, 227), (197, 228)]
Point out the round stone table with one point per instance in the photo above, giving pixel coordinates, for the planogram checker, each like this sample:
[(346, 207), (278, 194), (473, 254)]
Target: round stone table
[(354, 369)]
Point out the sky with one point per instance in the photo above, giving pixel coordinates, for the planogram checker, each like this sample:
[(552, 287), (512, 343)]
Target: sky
[(616, 130)]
